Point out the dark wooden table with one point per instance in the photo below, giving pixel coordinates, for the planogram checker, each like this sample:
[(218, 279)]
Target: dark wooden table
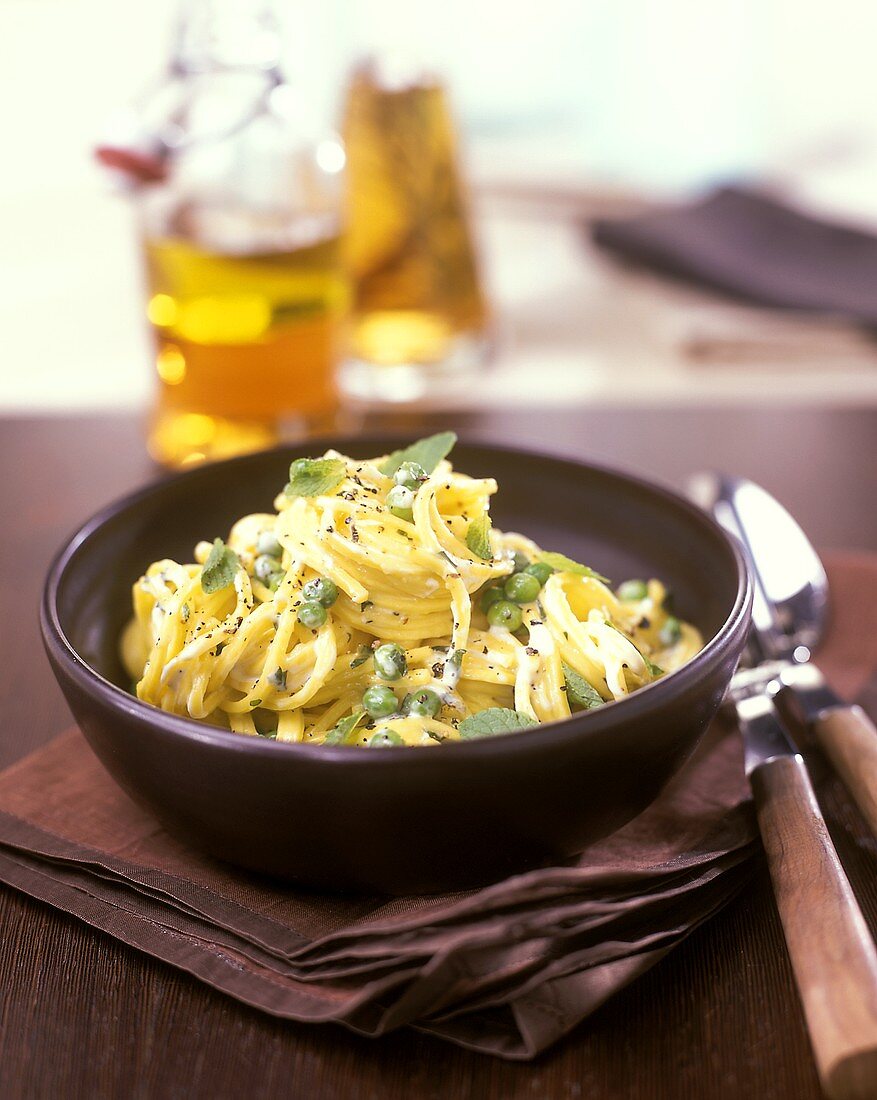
[(83, 1016)]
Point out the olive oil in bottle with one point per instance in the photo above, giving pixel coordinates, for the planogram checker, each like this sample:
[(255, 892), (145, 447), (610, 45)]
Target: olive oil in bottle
[(240, 208), (246, 344)]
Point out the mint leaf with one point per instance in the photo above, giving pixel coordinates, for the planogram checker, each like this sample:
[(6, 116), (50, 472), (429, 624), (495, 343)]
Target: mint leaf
[(478, 537), (563, 564), (362, 655), (428, 452), (340, 735), (579, 692), (219, 569), (495, 720), (315, 477)]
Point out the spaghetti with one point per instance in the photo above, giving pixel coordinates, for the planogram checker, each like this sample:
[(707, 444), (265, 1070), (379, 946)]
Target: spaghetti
[(376, 606)]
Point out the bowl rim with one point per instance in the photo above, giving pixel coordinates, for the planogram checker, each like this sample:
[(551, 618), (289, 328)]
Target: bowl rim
[(637, 705)]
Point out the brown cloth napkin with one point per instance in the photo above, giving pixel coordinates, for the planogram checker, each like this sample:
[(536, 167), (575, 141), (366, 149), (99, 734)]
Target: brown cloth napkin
[(506, 970), (757, 249)]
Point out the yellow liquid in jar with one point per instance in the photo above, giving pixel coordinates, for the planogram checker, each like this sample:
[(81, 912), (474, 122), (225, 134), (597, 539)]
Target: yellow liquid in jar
[(244, 344), (408, 245)]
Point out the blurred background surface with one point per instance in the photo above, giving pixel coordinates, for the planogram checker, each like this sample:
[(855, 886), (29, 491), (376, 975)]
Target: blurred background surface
[(565, 113)]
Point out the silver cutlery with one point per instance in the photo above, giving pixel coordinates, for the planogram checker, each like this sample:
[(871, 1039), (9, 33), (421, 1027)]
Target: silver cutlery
[(788, 620), (832, 954)]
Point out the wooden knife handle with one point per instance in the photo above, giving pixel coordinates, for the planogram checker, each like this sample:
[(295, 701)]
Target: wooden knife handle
[(831, 950), (849, 740)]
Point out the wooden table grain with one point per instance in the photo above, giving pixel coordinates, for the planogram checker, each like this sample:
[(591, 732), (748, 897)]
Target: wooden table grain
[(84, 1016)]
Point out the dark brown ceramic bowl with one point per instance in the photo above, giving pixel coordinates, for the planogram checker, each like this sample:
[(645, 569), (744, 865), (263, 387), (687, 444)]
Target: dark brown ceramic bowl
[(400, 820)]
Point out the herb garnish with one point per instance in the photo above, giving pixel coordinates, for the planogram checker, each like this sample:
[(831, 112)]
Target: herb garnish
[(579, 692), (478, 537), (362, 655), (563, 564), (340, 735), (315, 477), (495, 720), (220, 568), (427, 452)]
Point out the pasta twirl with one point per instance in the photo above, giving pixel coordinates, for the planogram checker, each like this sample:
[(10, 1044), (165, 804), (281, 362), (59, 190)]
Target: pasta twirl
[(376, 606)]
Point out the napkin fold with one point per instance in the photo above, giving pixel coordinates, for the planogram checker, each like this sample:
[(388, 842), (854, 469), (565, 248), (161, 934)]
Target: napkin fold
[(757, 249), (506, 970)]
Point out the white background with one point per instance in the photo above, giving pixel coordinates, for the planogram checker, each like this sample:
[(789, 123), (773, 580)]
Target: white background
[(662, 97)]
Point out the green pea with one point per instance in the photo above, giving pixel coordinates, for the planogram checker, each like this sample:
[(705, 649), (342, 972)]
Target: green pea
[(274, 580), (322, 590), (400, 501), (264, 566), (540, 570), (490, 596), (268, 543), (422, 704), (670, 632), (504, 613), (390, 661), (384, 739), (411, 475), (632, 590), (312, 614), (522, 588), (521, 561), (380, 701)]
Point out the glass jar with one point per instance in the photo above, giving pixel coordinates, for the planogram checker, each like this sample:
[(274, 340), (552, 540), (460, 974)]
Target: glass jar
[(419, 319), (241, 224)]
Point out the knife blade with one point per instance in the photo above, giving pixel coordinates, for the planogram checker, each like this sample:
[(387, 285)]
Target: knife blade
[(764, 735)]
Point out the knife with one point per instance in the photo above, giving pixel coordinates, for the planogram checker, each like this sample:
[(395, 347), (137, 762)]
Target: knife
[(832, 954)]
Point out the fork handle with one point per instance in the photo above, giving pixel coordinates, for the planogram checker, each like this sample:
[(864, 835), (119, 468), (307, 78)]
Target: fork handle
[(831, 950), (848, 737)]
